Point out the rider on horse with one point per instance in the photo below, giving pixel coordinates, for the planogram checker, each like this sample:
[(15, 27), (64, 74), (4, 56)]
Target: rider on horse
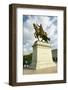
[(40, 32)]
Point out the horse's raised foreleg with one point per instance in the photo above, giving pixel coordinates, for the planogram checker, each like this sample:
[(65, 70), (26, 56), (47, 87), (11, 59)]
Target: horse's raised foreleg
[(35, 35)]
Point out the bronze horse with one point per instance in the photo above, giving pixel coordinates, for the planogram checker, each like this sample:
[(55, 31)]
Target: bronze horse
[(39, 32)]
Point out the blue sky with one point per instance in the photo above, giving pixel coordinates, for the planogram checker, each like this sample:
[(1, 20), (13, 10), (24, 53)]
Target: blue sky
[(49, 24)]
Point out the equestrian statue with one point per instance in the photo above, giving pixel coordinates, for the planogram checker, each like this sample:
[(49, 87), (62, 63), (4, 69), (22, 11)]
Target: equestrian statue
[(39, 33)]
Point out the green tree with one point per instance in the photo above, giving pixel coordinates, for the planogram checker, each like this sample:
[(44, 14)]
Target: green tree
[(27, 58)]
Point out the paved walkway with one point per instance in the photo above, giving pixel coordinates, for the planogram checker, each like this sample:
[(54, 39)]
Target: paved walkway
[(41, 71)]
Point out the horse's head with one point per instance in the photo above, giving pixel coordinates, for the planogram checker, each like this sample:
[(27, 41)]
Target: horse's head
[(34, 25)]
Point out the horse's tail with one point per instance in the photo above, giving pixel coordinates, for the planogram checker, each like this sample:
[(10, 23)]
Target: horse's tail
[(49, 39)]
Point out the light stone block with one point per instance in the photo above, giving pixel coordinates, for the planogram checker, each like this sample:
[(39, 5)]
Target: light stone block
[(42, 56)]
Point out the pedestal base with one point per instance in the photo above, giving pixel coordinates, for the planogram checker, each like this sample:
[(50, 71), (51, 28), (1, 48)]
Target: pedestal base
[(42, 56)]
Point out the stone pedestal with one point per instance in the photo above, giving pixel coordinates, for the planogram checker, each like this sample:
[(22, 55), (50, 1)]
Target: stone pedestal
[(42, 55)]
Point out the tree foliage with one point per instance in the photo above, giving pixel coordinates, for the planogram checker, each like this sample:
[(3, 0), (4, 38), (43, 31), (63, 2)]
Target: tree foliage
[(27, 59)]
